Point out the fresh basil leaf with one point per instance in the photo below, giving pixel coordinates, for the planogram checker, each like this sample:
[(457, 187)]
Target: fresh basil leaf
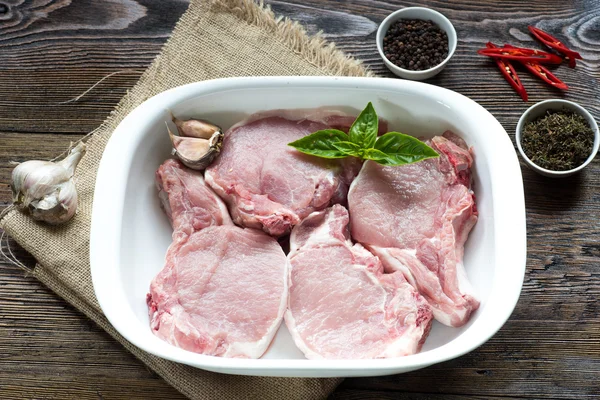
[(321, 143), (401, 149), (393, 148), (379, 157), (348, 148), (363, 131)]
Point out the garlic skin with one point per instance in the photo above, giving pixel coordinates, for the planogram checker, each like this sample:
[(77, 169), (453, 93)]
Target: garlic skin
[(198, 143), (195, 128), (46, 189)]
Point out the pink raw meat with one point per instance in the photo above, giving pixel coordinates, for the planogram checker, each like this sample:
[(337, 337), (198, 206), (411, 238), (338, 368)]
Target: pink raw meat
[(187, 201), (269, 185), (223, 290), (417, 218), (341, 305)]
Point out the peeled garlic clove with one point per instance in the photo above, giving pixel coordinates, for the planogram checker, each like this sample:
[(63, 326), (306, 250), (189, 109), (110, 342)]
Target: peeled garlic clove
[(196, 128), (46, 189), (191, 148), (196, 153)]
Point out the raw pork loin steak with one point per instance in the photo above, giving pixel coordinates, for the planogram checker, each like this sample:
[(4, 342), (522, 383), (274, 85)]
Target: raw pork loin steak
[(341, 305), (269, 185), (223, 290), (188, 202), (416, 218)]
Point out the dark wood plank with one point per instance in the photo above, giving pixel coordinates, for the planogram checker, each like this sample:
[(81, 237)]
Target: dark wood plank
[(50, 350), (53, 51), (357, 394), (70, 46), (50, 54), (38, 107)]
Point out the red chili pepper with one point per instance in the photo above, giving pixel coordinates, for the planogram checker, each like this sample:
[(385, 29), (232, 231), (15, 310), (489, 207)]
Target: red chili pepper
[(543, 73), (509, 73), (521, 54), (555, 44)]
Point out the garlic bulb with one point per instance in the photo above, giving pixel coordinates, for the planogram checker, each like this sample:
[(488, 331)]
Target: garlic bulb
[(198, 142), (46, 189)]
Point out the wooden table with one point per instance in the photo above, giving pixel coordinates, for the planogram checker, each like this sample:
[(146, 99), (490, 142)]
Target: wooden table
[(52, 51)]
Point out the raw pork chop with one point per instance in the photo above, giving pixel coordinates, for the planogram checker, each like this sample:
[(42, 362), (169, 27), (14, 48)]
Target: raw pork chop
[(341, 304), (223, 290), (416, 218), (269, 185), (187, 201)]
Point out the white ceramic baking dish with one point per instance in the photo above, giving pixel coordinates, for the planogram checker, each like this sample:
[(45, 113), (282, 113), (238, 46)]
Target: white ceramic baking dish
[(130, 233)]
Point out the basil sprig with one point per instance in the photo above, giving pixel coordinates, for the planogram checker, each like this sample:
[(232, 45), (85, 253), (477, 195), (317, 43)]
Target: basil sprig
[(392, 148)]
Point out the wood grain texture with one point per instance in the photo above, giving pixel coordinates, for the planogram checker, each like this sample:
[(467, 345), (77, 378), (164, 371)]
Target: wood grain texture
[(357, 394), (52, 51)]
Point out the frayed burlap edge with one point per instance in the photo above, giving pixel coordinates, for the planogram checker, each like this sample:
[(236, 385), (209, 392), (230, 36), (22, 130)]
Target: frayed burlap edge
[(314, 49)]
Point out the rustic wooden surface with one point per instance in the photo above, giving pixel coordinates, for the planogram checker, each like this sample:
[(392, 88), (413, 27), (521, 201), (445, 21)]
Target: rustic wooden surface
[(53, 50)]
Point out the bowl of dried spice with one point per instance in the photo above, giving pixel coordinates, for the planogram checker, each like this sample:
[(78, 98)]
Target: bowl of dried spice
[(557, 138), (416, 42)]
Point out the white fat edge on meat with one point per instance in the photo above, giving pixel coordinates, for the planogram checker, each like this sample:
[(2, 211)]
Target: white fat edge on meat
[(397, 265), (411, 252), (220, 193), (288, 317), (329, 177), (442, 317), (319, 236), (221, 204), (373, 278), (165, 204), (181, 324), (386, 258), (298, 114), (224, 212), (245, 206), (257, 348), (408, 340), (464, 285), (355, 183), (290, 322)]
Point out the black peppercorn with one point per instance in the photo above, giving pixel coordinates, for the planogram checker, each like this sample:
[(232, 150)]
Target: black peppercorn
[(415, 44)]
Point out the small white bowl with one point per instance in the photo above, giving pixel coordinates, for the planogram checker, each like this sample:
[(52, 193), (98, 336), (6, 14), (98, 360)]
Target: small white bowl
[(538, 110), (424, 14)]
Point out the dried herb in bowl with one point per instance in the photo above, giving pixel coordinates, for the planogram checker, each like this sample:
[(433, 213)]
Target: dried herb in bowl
[(560, 140)]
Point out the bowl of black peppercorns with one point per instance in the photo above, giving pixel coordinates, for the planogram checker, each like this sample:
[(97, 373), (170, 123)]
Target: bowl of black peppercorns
[(416, 42)]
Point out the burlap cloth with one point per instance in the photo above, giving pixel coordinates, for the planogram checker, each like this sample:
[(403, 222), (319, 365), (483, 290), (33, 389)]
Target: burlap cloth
[(213, 39)]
